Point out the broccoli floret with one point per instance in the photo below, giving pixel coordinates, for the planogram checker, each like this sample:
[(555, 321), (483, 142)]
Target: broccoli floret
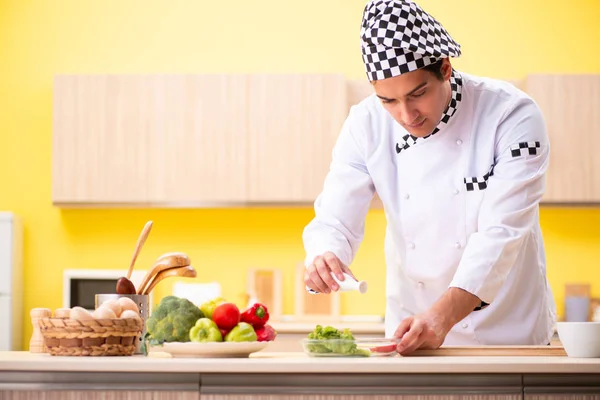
[(172, 319)]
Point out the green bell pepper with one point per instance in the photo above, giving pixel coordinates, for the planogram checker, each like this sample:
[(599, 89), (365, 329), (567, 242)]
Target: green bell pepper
[(205, 330), (208, 307), (242, 332)]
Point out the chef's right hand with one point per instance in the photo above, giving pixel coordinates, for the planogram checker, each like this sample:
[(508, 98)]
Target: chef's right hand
[(318, 274)]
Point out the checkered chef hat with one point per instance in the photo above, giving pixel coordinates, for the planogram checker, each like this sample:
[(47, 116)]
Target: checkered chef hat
[(397, 37)]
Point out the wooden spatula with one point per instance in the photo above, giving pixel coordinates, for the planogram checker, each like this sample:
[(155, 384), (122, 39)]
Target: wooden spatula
[(186, 272)]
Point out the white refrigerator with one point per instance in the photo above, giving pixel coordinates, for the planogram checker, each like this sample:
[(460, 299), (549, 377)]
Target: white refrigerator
[(11, 282)]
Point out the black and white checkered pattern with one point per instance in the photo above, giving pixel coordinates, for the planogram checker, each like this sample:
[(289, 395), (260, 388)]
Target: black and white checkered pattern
[(456, 87), (407, 141), (523, 148), (479, 183), (397, 37)]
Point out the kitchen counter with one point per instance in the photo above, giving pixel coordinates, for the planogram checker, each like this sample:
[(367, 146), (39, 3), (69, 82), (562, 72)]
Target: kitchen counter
[(276, 363), (287, 375)]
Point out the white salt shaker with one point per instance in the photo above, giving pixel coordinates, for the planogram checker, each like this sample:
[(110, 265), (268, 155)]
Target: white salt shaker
[(349, 284)]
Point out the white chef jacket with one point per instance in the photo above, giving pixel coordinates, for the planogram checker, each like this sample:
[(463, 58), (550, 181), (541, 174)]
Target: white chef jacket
[(461, 209)]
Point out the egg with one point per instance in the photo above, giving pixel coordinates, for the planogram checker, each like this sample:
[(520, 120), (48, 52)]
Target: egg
[(127, 304), (114, 305), (80, 314), (103, 312), (130, 314)]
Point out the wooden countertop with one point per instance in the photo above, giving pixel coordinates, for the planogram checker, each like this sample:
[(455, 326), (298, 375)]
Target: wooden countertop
[(265, 362)]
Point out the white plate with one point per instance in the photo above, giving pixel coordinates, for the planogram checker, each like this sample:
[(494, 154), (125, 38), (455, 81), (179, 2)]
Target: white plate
[(209, 349)]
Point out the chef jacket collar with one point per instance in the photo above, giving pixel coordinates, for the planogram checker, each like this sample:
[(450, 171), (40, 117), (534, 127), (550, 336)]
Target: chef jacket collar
[(455, 99)]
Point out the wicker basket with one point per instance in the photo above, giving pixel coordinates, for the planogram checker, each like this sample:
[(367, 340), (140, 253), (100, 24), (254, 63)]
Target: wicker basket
[(94, 337)]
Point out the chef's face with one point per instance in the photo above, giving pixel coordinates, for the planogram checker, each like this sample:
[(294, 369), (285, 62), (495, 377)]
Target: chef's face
[(417, 99)]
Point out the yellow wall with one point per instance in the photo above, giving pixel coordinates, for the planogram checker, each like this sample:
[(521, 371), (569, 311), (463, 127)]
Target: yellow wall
[(39, 39)]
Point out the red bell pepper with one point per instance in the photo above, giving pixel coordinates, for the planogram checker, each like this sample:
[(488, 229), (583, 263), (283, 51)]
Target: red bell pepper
[(265, 333), (257, 315), (224, 332)]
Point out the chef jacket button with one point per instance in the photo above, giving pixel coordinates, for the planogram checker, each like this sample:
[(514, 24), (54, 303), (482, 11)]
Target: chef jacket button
[(411, 245), (457, 245), (455, 191), (458, 142), (406, 196), (420, 284), (465, 325)]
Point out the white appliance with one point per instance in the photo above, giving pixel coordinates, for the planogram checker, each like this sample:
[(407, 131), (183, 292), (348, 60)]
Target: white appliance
[(80, 286), (11, 282)]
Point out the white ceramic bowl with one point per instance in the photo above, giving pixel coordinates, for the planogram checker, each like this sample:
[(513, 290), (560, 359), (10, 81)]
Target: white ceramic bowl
[(580, 339)]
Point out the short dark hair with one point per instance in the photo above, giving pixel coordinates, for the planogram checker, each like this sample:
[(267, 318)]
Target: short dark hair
[(436, 69)]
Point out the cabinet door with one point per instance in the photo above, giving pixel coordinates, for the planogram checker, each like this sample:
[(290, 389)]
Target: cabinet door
[(562, 396), (293, 122), (155, 139), (570, 104), (198, 139), (99, 148), (318, 386), (98, 395), (365, 397)]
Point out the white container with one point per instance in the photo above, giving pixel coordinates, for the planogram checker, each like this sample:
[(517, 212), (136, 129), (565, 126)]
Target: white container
[(580, 339), (349, 284), (577, 308)]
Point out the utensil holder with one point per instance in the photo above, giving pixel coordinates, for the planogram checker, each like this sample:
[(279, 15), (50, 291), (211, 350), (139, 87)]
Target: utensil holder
[(143, 303)]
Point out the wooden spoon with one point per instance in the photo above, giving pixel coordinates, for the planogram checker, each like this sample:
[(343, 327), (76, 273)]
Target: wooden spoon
[(139, 245), (124, 284), (176, 258), (186, 272), (163, 264)]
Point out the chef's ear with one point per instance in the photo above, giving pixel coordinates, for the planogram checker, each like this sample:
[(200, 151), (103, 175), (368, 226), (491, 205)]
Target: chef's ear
[(446, 68)]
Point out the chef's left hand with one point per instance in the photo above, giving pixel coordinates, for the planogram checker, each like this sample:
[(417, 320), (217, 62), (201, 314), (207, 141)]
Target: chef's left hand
[(421, 331)]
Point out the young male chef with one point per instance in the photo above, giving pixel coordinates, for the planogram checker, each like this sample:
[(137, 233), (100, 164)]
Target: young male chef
[(459, 163)]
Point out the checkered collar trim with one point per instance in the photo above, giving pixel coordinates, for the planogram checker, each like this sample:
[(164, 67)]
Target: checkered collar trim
[(455, 99), (397, 37)]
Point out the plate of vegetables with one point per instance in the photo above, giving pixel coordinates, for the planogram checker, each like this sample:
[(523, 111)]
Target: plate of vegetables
[(330, 342), (217, 328)]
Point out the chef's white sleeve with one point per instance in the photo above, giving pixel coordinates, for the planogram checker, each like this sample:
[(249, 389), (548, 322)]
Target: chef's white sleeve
[(510, 204), (342, 205)]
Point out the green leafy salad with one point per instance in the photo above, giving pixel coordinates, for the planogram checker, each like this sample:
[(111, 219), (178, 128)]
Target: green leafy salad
[(334, 341)]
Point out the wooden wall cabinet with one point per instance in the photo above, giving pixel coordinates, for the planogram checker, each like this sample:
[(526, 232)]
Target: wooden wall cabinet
[(570, 105), (221, 139), (136, 139), (179, 140), (294, 122)]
